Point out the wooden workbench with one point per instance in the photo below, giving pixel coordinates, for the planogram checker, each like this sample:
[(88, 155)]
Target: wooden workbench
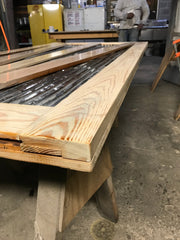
[(84, 35), (68, 139)]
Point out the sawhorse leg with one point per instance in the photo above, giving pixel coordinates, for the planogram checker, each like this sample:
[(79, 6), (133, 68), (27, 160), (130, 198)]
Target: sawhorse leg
[(177, 116), (62, 193), (169, 55)]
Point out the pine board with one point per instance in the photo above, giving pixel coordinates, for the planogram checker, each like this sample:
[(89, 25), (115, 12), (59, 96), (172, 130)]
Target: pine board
[(71, 134), (80, 123), (11, 150), (15, 117), (177, 115)]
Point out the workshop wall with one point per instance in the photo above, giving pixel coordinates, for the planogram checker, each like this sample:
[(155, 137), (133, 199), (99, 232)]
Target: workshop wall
[(164, 7)]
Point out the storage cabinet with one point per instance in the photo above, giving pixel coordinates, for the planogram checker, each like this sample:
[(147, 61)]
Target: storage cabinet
[(41, 17)]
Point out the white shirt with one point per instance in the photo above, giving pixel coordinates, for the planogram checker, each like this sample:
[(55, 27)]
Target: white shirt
[(140, 9)]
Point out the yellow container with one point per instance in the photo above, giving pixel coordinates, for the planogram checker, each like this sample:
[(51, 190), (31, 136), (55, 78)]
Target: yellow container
[(42, 17)]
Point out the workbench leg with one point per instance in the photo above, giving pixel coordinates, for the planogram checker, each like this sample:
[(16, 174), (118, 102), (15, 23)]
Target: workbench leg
[(177, 115), (106, 201), (50, 202), (81, 186), (62, 193)]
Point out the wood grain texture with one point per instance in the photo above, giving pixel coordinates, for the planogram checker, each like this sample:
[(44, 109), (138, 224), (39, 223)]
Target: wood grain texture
[(61, 194), (83, 35), (102, 43), (44, 58), (50, 202), (80, 187), (14, 118), (18, 56), (18, 50), (21, 75), (79, 125), (11, 150)]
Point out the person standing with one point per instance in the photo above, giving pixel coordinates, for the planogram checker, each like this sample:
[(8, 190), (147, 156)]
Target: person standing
[(132, 14)]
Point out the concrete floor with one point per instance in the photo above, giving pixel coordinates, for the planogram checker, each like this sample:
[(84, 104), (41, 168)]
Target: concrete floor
[(145, 151)]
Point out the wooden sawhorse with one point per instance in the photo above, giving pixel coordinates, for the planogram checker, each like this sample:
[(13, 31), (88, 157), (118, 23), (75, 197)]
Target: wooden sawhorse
[(64, 192), (169, 56)]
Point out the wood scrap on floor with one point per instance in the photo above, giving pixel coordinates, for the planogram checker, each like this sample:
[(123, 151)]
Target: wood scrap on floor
[(177, 115)]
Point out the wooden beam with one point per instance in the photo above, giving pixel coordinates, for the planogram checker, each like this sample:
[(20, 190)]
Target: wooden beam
[(79, 125), (25, 74), (11, 150), (68, 193), (83, 35), (44, 58), (177, 116), (80, 187), (50, 202), (102, 43), (14, 118), (19, 56)]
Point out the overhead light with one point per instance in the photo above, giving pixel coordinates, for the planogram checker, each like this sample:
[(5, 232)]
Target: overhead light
[(51, 7)]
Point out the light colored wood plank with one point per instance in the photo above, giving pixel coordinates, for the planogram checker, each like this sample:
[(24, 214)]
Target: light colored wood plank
[(80, 187), (82, 35), (79, 125), (115, 43), (61, 194), (11, 150), (15, 117), (102, 43), (25, 74), (50, 202), (177, 116), (13, 51), (44, 58), (18, 56)]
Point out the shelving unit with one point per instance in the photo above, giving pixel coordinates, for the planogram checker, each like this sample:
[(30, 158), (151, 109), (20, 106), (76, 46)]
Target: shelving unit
[(110, 10), (22, 26)]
